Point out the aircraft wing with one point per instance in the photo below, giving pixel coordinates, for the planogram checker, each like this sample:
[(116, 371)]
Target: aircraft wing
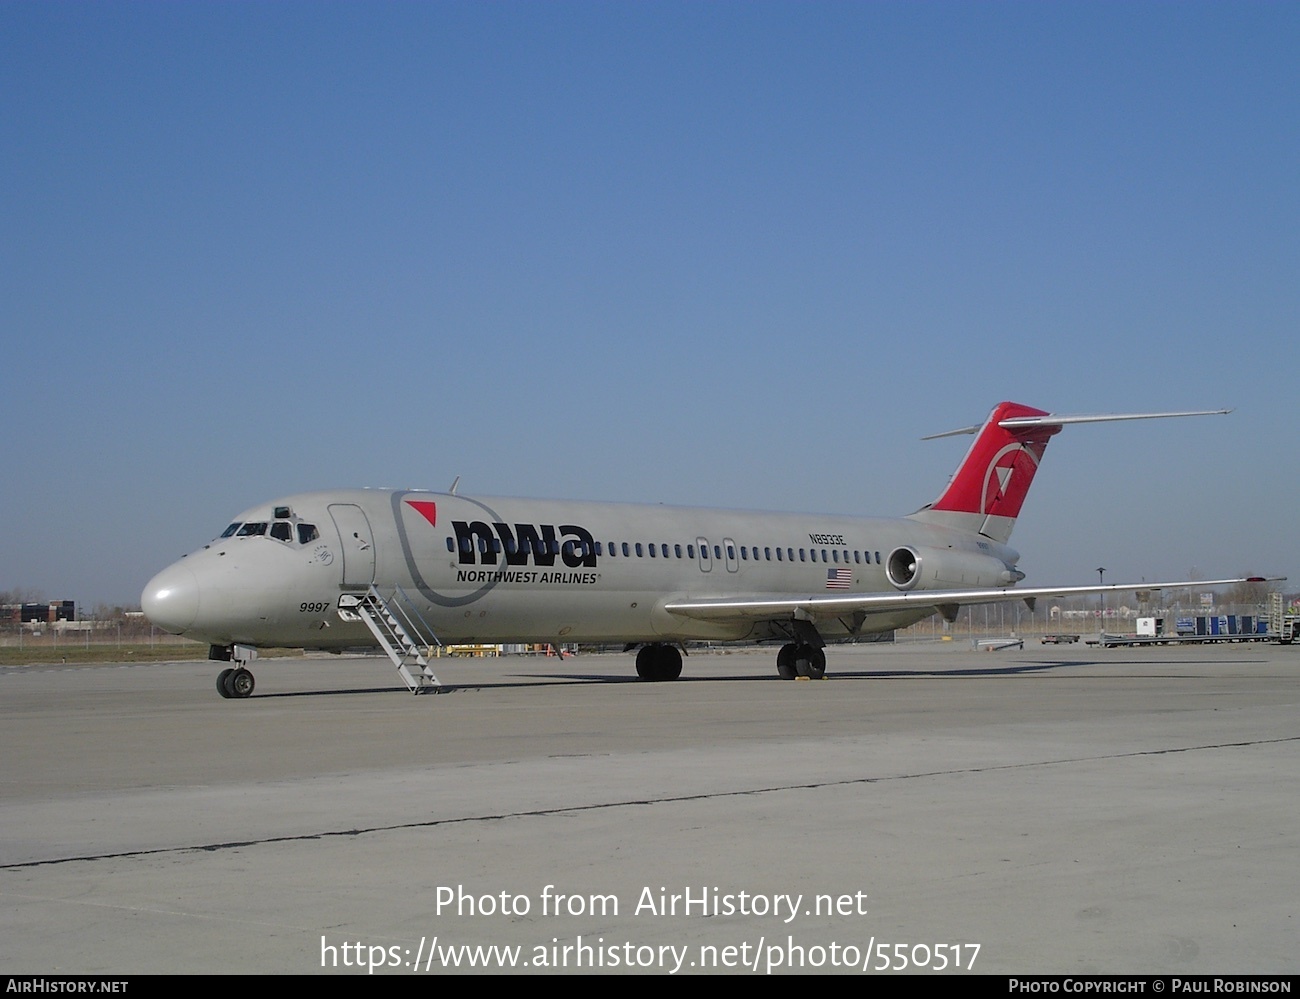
[(783, 606)]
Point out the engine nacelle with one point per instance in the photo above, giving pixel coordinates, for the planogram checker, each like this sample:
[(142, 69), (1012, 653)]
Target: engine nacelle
[(918, 568)]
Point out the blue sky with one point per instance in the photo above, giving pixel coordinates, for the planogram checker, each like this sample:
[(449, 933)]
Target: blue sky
[(728, 254)]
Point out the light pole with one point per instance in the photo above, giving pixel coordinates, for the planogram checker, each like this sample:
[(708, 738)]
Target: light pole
[(1101, 581)]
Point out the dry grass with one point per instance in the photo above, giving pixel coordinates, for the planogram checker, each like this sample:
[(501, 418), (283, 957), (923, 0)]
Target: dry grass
[(127, 652)]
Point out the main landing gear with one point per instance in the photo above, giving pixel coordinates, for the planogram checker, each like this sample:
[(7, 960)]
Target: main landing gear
[(659, 662), (796, 660), (236, 682)]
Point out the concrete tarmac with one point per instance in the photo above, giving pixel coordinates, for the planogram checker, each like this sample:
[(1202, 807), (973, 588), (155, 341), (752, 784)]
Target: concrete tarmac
[(1051, 810)]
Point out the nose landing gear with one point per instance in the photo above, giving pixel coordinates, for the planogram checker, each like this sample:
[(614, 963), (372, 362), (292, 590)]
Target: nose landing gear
[(236, 682)]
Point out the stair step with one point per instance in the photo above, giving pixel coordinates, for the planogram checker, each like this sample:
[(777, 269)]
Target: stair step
[(394, 635)]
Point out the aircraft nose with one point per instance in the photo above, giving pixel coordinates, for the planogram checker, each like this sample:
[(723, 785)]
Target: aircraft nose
[(171, 600)]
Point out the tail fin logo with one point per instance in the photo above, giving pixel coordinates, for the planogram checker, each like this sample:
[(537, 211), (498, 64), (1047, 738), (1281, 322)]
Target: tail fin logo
[(1007, 479)]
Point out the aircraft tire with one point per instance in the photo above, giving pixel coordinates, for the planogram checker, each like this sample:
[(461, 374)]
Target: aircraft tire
[(222, 688), (658, 662), (241, 683), (811, 662), (785, 665)]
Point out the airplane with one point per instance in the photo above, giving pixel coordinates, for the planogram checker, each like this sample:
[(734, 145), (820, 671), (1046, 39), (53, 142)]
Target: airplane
[(312, 570)]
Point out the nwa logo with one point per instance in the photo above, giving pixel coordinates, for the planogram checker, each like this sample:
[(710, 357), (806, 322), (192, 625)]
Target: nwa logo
[(478, 543), (1007, 478)]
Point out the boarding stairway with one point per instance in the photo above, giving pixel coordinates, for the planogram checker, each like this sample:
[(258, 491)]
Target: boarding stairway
[(400, 631), (1282, 627)]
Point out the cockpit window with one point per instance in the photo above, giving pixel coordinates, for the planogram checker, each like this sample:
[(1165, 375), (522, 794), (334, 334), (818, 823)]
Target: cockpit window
[(306, 533), (230, 530), (251, 530), (282, 530)]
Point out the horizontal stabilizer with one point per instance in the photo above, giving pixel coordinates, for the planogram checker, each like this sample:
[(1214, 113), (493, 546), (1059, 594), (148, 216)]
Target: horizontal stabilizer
[(1055, 420)]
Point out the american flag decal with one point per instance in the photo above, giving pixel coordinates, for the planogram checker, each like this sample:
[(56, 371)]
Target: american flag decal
[(839, 579)]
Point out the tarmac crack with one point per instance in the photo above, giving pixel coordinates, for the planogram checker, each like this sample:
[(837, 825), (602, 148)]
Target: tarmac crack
[(632, 803)]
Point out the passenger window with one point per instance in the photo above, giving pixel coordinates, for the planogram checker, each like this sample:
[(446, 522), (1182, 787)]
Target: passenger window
[(836, 557), (652, 551), (451, 544), (778, 555), (638, 549), (282, 530), (690, 551), (677, 550), (717, 552), (626, 551), (801, 558)]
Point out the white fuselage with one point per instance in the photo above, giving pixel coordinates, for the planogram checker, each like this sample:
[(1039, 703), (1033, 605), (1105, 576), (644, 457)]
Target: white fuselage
[(521, 570)]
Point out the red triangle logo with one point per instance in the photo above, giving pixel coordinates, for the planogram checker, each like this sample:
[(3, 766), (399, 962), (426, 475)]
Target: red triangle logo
[(426, 509)]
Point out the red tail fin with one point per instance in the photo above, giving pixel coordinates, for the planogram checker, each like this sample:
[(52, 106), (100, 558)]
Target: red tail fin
[(985, 495), (990, 485)]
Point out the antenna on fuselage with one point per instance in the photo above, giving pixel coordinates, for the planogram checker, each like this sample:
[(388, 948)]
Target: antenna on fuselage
[(455, 482)]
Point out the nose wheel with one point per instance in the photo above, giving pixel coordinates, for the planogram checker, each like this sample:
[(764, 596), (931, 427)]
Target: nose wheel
[(235, 683)]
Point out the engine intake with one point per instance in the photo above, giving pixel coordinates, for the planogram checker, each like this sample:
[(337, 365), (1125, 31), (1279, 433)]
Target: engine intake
[(903, 567)]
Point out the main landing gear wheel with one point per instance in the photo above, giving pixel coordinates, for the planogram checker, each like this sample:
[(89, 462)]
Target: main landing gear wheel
[(811, 662), (658, 662), (237, 683), (801, 660)]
